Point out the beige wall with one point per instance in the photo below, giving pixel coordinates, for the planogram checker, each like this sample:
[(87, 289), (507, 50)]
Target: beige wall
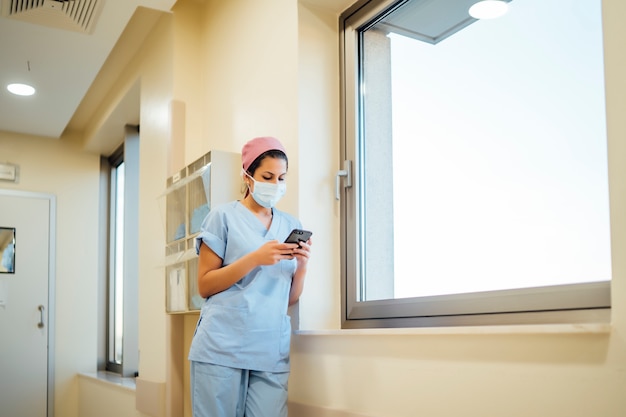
[(249, 57), (318, 130), (100, 399), (52, 167), (239, 69)]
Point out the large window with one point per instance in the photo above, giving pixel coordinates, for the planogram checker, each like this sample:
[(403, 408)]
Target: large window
[(120, 172), (477, 151)]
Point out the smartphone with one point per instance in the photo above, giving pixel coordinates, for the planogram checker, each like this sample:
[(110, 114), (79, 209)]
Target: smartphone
[(298, 235)]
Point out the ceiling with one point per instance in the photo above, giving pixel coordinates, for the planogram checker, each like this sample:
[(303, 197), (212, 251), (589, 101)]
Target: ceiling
[(429, 21), (71, 59), (60, 51)]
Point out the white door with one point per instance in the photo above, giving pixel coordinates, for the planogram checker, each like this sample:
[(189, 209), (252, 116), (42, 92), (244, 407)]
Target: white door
[(25, 306)]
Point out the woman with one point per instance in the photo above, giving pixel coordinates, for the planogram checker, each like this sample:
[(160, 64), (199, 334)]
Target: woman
[(240, 351)]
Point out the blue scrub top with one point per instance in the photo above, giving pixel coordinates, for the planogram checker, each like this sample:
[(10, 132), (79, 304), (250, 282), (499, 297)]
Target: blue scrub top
[(246, 326)]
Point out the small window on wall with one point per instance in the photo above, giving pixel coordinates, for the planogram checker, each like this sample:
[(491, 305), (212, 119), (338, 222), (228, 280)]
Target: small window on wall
[(479, 163), (120, 174), (116, 262)]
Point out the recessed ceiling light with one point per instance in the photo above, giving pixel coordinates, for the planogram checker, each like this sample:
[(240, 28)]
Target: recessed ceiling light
[(488, 9), (21, 89)]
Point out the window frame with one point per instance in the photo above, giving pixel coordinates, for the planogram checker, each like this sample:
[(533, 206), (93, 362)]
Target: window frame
[(128, 153), (577, 303)]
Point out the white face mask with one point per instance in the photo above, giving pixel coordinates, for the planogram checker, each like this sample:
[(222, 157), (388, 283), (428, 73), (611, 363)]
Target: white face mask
[(267, 194)]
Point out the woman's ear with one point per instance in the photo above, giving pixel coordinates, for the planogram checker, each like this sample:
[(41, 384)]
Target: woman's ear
[(247, 182)]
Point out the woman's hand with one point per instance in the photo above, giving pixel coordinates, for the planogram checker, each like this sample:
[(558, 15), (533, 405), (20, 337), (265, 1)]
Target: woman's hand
[(274, 251), (303, 253)]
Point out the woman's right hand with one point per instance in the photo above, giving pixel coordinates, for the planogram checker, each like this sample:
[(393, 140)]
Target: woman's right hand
[(273, 251)]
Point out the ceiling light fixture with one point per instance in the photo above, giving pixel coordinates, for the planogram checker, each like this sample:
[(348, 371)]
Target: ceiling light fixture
[(21, 89), (488, 9)]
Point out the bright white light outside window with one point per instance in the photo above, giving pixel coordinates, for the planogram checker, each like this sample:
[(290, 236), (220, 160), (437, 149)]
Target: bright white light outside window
[(500, 160), (119, 263)]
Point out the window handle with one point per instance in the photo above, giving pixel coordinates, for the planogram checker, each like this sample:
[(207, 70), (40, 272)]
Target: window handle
[(345, 172)]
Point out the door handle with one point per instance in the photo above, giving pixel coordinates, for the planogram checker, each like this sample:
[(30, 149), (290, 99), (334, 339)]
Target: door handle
[(40, 324)]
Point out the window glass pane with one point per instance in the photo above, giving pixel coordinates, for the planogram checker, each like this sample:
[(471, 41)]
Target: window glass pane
[(116, 289), (483, 152)]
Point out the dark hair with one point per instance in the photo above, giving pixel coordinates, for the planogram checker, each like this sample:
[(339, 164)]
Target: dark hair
[(273, 153)]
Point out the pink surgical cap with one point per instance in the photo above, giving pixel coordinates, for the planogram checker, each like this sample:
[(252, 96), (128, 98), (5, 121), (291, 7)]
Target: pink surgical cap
[(255, 147)]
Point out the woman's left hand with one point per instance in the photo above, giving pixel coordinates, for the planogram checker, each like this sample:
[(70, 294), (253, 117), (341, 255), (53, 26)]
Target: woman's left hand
[(302, 253)]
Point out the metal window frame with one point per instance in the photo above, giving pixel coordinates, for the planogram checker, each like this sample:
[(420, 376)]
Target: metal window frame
[(571, 303)]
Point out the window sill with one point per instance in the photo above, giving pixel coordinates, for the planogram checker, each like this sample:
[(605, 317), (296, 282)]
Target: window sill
[(111, 379), (582, 328)]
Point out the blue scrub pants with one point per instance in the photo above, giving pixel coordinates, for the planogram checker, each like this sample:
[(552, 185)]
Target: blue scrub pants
[(220, 391)]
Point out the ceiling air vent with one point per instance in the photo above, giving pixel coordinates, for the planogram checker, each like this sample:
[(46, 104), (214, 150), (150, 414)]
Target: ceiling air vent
[(74, 15)]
